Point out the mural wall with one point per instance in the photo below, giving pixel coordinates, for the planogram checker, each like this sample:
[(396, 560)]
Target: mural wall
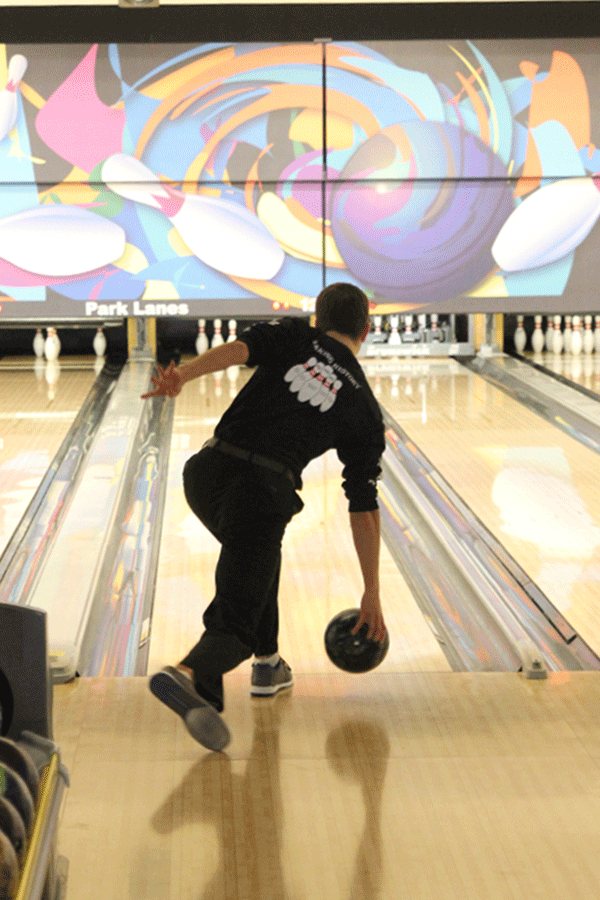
[(216, 179)]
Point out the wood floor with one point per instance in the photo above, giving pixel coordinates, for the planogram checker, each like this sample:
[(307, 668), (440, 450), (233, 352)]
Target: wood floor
[(409, 783)]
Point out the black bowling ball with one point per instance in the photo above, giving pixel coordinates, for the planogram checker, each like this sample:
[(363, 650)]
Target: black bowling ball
[(353, 652)]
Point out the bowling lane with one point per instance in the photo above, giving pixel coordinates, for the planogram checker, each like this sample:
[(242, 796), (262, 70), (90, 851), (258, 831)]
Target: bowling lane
[(533, 486), (582, 369), (38, 403), (320, 575)]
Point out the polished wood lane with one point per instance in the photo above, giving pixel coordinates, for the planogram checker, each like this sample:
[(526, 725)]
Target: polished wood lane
[(533, 486), (38, 403), (320, 575), (421, 786)]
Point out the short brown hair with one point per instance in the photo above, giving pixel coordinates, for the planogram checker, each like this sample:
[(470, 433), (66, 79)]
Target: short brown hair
[(344, 308)]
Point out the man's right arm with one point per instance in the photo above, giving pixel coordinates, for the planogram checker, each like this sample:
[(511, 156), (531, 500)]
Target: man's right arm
[(366, 533), (171, 380)]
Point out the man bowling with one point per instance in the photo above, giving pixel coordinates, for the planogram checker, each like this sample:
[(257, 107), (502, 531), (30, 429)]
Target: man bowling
[(308, 395)]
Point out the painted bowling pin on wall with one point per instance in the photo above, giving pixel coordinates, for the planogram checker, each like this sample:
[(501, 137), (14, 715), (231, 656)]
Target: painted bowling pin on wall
[(9, 100), (62, 241), (222, 234), (548, 224)]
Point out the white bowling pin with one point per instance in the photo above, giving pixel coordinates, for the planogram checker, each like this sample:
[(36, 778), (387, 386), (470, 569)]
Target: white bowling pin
[(217, 336), (394, 337), (232, 331), (324, 380), (313, 385), (51, 346), (224, 235), (548, 337), (202, 339), (9, 101), (557, 338), (408, 325), (299, 374), (588, 336), (568, 335), (597, 334), (520, 336), (548, 224), (99, 343), (537, 339), (57, 240), (330, 397), (38, 343), (576, 341)]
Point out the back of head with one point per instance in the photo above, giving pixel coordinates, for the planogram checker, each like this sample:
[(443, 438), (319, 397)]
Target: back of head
[(344, 308)]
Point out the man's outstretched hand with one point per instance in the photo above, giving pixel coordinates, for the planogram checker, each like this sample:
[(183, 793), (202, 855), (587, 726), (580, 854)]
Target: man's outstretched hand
[(168, 383)]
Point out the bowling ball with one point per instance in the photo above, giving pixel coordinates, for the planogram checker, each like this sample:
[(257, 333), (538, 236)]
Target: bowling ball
[(353, 652), (14, 789), (21, 762), (416, 209), (9, 869), (12, 825)]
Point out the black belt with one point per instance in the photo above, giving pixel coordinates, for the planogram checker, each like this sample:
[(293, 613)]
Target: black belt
[(249, 456)]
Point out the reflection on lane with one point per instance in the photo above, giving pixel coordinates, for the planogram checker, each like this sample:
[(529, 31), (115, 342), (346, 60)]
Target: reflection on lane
[(531, 485)]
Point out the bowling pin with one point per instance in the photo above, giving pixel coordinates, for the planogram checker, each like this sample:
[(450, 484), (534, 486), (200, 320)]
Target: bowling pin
[(217, 336), (325, 379), (408, 328), (557, 338), (548, 224), (597, 334), (232, 331), (313, 385), (51, 346), (576, 341), (9, 101), (60, 241), (201, 340), (520, 336), (568, 335), (38, 343), (377, 335), (299, 374), (99, 343), (588, 336), (537, 339), (329, 399), (548, 337), (394, 338), (222, 234)]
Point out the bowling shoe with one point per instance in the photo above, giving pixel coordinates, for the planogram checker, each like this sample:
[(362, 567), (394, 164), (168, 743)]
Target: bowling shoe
[(201, 719), (267, 680)]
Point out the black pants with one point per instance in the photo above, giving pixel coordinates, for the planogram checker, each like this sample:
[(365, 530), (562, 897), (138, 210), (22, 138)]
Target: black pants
[(247, 508)]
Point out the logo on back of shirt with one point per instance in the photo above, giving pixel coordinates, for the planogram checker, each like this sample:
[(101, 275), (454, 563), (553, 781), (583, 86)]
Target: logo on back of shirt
[(314, 383)]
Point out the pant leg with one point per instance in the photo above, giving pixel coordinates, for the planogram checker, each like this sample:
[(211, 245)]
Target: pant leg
[(247, 509)]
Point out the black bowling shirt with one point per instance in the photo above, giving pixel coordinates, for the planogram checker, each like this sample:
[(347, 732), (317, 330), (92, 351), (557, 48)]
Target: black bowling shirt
[(308, 395)]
